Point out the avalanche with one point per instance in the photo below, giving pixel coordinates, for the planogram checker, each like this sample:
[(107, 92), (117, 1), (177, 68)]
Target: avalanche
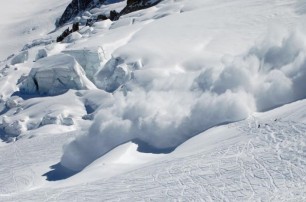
[(181, 99)]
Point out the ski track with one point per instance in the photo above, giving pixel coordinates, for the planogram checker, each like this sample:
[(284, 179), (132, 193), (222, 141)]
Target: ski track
[(268, 165), (20, 159)]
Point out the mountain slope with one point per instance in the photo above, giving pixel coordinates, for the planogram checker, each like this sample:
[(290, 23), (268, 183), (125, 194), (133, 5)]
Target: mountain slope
[(234, 162), (24, 21), (170, 102)]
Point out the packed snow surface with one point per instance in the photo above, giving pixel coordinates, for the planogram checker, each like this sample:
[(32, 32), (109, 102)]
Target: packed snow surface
[(185, 100)]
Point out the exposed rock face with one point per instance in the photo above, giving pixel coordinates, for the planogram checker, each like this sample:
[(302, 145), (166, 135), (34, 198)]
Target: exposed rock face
[(63, 35), (135, 5), (67, 32), (76, 7)]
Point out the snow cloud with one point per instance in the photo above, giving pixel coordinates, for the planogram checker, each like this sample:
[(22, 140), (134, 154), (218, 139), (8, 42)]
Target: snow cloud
[(165, 107)]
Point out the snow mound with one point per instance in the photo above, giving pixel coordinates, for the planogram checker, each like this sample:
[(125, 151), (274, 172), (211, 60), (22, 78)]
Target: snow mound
[(42, 53), (90, 59), (57, 119), (105, 24), (13, 128), (74, 36), (55, 75), (13, 102), (113, 75), (86, 31)]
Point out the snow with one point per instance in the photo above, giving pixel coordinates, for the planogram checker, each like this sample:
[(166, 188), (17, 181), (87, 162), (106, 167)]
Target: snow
[(55, 75), (42, 53), (207, 78), (34, 113), (186, 100), (72, 37), (20, 58), (27, 20), (114, 74), (90, 59), (238, 161)]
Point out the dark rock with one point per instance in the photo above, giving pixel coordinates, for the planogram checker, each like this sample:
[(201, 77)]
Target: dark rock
[(135, 5), (76, 7), (130, 2), (63, 35), (91, 21), (59, 39), (101, 17), (75, 27), (113, 15)]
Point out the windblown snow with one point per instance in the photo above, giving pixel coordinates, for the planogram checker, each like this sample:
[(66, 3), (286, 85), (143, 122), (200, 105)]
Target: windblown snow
[(186, 100)]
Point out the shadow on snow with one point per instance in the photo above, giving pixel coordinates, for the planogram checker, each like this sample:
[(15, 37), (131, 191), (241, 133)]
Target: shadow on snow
[(59, 172)]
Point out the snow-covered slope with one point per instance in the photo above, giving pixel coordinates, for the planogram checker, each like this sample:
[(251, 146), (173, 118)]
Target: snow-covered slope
[(170, 102), (234, 162), (25, 21)]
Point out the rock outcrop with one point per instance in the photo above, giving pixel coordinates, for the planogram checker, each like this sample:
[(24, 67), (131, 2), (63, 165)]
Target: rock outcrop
[(135, 5), (76, 7), (79, 6)]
